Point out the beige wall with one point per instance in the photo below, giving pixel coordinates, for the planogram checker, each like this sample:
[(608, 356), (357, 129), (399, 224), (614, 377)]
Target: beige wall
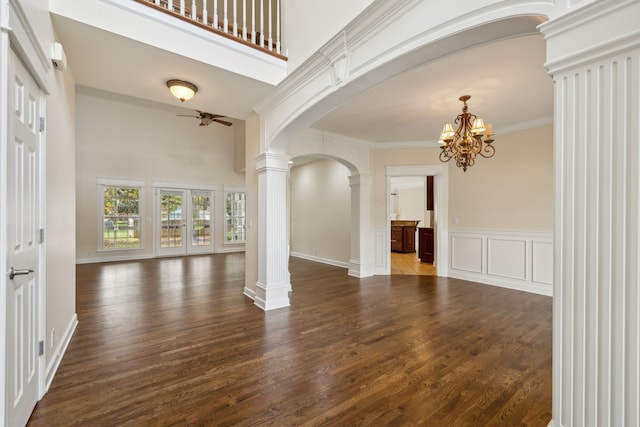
[(511, 191), (125, 138), (321, 210)]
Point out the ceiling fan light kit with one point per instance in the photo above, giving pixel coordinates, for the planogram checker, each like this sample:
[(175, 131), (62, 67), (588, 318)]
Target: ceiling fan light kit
[(472, 137), (181, 89), (207, 118)]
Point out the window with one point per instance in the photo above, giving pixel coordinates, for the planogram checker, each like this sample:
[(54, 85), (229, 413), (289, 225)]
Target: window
[(120, 217), (235, 216)]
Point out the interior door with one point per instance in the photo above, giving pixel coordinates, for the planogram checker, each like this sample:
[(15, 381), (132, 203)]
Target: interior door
[(23, 247), (171, 222)]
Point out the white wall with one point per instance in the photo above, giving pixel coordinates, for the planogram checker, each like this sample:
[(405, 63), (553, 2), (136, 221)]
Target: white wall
[(126, 138), (60, 222), (411, 204), (309, 24), (321, 212)]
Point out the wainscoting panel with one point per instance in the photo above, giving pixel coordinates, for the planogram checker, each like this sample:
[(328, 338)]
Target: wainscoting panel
[(507, 258), (381, 249), (466, 253), (542, 262), (515, 260)]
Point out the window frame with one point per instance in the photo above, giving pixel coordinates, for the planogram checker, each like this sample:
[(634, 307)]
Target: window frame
[(120, 183), (227, 191)]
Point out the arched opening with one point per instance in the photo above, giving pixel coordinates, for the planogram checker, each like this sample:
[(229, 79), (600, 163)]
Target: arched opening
[(320, 210)]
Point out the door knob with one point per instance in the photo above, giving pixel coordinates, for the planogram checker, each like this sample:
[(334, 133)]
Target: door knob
[(13, 272)]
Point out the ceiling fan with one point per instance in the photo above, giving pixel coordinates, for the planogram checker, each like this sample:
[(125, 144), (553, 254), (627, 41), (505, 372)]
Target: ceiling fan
[(207, 118)]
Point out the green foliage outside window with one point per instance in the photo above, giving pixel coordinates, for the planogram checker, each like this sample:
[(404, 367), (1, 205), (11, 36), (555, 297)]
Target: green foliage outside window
[(121, 218)]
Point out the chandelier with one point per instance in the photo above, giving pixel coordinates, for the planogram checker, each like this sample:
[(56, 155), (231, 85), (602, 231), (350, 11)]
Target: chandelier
[(471, 138)]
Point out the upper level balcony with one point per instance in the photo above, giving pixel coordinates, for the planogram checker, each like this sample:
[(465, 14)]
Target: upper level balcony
[(245, 21), (231, 50)]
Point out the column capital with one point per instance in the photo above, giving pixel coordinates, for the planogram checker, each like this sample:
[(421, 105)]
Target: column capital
[(272, 162), (587, 34)]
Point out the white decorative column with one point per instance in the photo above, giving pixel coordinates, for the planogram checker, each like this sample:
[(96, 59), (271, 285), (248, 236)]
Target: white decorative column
[(274, 284), (593, 54), (361, 260)]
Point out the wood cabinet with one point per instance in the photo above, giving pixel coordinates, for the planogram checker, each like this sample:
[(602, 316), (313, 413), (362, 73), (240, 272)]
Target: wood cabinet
[(403, 236), (431, 205), (426, 244)]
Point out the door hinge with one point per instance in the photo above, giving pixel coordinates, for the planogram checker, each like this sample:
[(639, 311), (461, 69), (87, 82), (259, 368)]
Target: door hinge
[(41, 124), (41, 235), (41, 348)]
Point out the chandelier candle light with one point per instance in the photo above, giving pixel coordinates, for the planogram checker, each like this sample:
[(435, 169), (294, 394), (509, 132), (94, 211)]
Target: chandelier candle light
[(471, 138)]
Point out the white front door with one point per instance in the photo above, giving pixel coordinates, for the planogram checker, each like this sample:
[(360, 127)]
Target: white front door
[(23, 247), (183, 221)]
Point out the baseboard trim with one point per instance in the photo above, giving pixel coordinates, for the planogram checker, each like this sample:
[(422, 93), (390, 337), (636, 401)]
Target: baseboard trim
[(516, 285), (229, 250), (113, 259), (116, 258), (335, 263), (249, 293), (54, 363)]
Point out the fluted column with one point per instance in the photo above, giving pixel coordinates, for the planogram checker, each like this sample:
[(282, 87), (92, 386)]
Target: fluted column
[(594, 57), (361, 259), (274, 284)]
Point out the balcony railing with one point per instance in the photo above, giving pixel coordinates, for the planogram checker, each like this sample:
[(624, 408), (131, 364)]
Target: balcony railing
[(255, 23)]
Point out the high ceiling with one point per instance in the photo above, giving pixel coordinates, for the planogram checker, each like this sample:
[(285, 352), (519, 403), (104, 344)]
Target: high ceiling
[(508, 84)]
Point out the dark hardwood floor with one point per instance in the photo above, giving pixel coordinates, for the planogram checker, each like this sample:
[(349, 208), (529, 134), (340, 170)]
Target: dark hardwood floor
[(173, 342)]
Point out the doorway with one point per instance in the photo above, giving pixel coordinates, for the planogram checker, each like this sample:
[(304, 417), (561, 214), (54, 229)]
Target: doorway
[(435, 220), (411, 202), (183, 221)]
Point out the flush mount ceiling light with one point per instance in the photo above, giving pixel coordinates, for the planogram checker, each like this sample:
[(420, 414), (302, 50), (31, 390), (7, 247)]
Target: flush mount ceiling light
[(181, 89), (471, 138)]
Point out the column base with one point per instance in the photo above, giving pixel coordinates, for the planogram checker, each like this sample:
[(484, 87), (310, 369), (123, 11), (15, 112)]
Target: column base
[(272, 297)]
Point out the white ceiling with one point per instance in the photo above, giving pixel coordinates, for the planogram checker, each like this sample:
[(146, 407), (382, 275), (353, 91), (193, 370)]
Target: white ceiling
[(109, 62), (508, 85)]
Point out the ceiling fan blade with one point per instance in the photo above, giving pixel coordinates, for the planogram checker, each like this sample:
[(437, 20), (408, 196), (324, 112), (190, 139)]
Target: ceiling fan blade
[(224, 122), (186, 115)]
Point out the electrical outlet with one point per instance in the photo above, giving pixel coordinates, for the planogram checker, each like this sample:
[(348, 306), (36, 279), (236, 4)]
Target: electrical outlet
[(53, 337)]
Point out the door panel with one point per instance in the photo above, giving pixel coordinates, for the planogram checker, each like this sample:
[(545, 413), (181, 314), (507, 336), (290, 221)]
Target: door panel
[(23, 252), (201, 226), (172, 225)]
